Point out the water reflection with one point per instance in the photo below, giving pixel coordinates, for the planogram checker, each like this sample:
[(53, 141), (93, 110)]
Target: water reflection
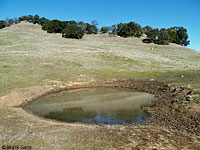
[(71, 114), (97, 105)]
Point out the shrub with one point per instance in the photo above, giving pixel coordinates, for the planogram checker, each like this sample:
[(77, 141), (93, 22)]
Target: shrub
[(147, 41)]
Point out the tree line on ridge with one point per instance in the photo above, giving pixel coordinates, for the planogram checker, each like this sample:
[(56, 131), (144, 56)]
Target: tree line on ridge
[(76, 30)]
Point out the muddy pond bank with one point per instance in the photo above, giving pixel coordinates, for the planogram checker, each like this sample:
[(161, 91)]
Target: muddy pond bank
[(168, 112)]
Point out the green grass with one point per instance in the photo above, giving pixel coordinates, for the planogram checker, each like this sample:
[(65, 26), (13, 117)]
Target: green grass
[(5, 66), (28, 72), (118, 62), (191, 77)]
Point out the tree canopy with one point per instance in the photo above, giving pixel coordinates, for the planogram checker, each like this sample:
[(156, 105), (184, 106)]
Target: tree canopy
[(72, 31), (129, 29), (182, 36), (54, 26), (36, 19)]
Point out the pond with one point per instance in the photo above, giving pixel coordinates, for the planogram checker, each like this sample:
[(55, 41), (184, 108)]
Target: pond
[(94, 105)]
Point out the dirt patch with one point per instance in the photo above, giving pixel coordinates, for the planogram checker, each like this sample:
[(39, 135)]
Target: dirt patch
[(18, 97), (23, 96)]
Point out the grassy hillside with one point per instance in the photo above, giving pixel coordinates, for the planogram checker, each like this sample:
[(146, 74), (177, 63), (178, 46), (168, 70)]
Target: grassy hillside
[(28, 56)]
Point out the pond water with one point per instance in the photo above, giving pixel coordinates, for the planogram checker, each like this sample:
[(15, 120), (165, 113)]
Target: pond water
[(94, 105)]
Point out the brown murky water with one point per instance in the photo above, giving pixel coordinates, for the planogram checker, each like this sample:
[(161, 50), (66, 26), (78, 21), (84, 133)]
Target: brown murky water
[(94, 105)]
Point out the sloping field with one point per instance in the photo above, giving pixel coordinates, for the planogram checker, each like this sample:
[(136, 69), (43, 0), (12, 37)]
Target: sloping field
[(29, 55)]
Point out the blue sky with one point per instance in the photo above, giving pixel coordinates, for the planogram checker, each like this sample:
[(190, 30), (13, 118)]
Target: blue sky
[(156, 13)]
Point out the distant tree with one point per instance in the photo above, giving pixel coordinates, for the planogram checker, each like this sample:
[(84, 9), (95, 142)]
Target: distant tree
[(153, 34), (94, 24), (10, 22), (163, 37), (105, 29), (42, 20), (119, 26), (2, 24), (129, 29), (113, 30), (94, 29), (54, 26), (85, 28), (123, 30), (89, 29), (35, 19), (135, 29), (157, 36), (147, 29), (29, 18), (173, 37), (182, 36), (47, 26), (20, 19), (72, 31)]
